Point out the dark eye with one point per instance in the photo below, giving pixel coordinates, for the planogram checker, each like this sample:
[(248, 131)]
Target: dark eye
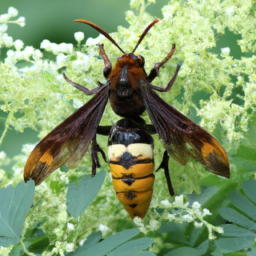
[(141, 61)]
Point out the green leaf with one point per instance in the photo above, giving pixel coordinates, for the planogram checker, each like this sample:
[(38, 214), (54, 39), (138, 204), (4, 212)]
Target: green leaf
[(234, 244), (91, 240), (245, 158), (82, 193), (243, 204), (35, 245), (132, 247), (200, 250), (15, 203), (249, 189), (231, 230), (234, 239), (253, 252), (235, 217), (145, 254), (184, 251), (107, 245), (217, 252)]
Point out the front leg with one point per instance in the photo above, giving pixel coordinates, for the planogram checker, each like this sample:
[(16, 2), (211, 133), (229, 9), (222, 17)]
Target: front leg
[(155, 70), (107, 63), (169, 85)]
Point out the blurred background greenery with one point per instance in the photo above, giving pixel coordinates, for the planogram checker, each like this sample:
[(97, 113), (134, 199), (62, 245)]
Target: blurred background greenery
[(53, 20)]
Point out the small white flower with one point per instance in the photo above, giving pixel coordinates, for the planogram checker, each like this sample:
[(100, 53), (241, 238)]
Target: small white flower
[(4, 18), (219, 230), (66, 48), (54, 48), (18, 44), (103, 227), (71, 226), (28, 51), (170, 217), (206, 212), (37, 55), (69, 48), (178, 201), (3, 27), (70, 247), (63, 47), (93, 41), (211, 236), (79, 36), (187, 217), (46, 44), (138, 221), (81, 242), (154, 225), (198, 224), (10, 54), (21, 21), (61, 59), (7, 40), (12, 11), (2, 155), (165, 203), (64, 178), (196, 205), (225, 50)]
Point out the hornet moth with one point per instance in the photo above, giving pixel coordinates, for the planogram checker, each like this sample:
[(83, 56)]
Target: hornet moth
[(130, 92)]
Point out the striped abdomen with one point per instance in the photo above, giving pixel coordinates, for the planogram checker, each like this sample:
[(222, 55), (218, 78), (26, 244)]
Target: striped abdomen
[(132, 164)]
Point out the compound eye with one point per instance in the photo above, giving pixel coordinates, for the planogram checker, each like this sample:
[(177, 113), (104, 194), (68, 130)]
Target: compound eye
[(141, 60)]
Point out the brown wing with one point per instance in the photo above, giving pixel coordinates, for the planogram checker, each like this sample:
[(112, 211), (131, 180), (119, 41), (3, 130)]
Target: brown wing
[(182, 137), (68, 142)]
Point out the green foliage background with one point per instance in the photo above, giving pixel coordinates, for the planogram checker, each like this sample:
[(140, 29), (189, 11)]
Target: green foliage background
[(215, 42)]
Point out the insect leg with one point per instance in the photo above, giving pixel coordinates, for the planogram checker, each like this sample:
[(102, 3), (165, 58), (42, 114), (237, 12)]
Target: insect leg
[(169, 85), (80, 87), (107, 63), (95, 149), (149, 128), (155, 70), (164, 165), (104, 130)]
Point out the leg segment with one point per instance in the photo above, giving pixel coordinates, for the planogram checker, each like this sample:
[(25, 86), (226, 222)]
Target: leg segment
[(107, 63), (169, 85), (95, 148), (80, 87), (164, 165), (104, 130), (155, 70)]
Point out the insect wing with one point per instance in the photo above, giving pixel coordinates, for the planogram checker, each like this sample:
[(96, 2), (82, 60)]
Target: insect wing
[(182, 137), (68, 142)]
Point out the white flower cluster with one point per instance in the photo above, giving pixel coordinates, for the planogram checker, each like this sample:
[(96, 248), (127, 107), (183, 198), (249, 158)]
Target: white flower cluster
[(181, 212), (5, 39), (56, 48)]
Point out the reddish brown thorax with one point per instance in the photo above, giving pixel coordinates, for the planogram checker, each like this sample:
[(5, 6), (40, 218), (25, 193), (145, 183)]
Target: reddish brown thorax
[(124, 94)]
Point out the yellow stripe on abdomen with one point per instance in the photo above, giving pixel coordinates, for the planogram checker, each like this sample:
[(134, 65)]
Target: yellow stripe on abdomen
[(132, 169)]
